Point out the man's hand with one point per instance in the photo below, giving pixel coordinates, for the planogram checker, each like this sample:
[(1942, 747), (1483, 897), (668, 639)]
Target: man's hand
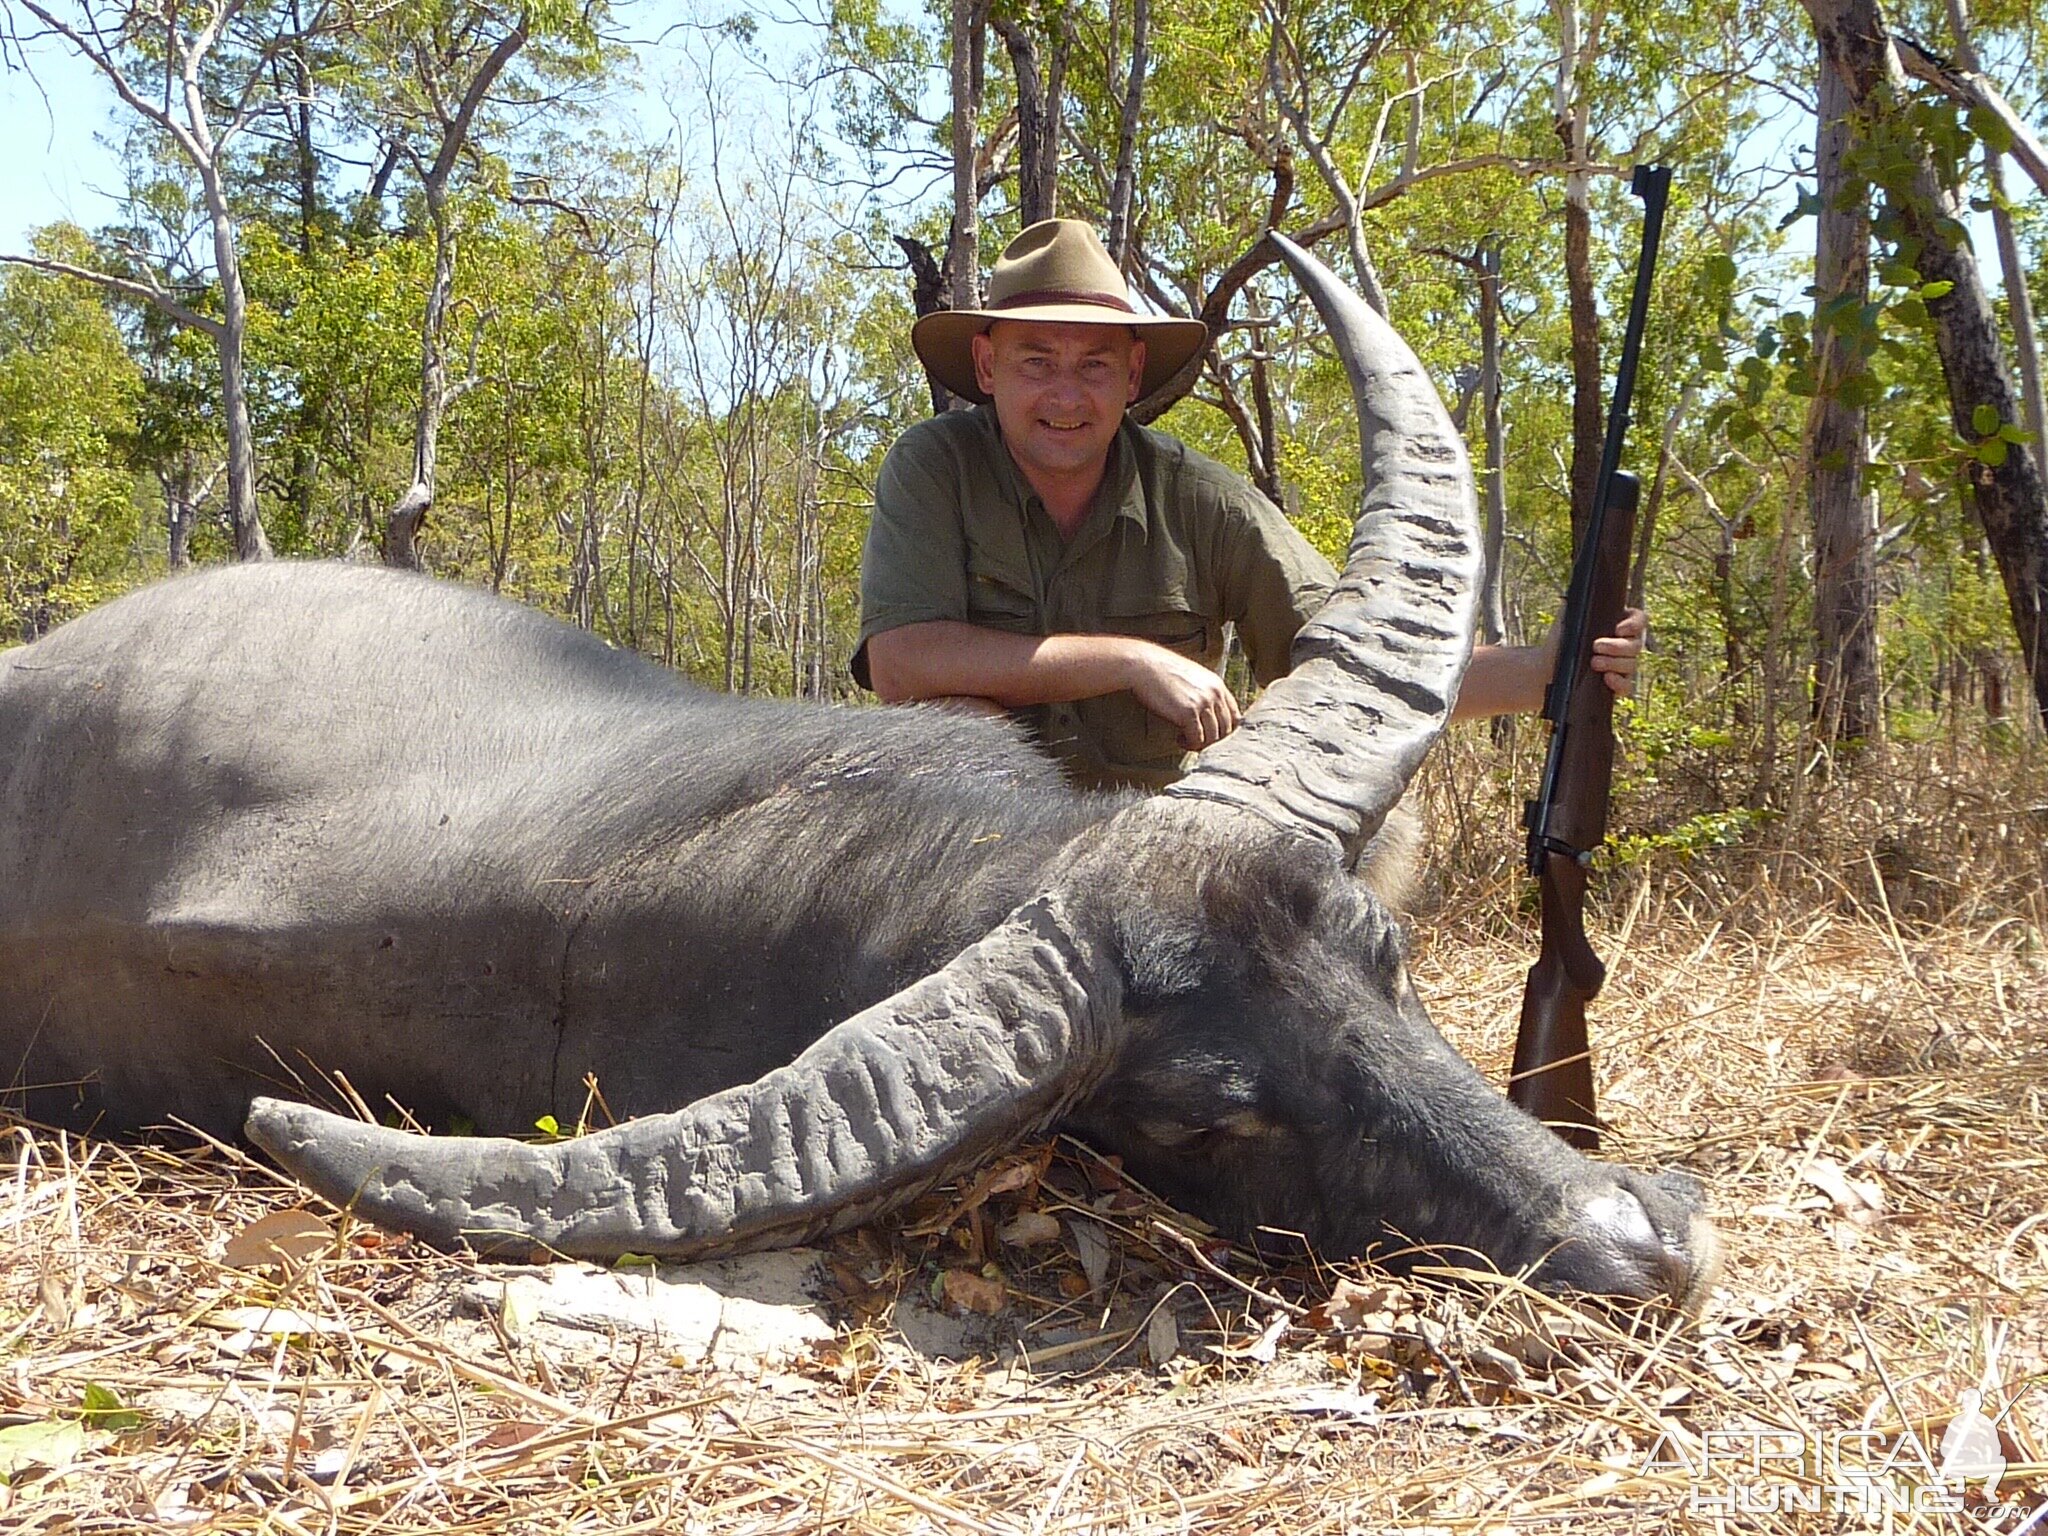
[(1185, 694), (1616, 656), (1510, 679)]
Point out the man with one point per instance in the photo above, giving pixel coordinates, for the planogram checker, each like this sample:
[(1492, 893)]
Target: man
[(1043, 556)]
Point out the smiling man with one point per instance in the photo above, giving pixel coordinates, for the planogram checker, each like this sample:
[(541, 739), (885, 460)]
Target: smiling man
[(1044, 557)]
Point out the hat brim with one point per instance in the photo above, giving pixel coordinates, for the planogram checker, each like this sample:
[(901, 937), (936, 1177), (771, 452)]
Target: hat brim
[(944, 340)]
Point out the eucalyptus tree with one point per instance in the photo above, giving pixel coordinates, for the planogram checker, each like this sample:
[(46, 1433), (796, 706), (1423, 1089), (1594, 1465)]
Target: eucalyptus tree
[(436, 78), (68, 396), (1915, 164), (200, 78)]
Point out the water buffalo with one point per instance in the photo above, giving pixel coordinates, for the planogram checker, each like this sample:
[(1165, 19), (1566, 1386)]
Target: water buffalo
[(275, 815)]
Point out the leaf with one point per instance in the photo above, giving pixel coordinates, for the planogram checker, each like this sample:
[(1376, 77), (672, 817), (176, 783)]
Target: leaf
[(1092, 1248), (1265, 1349), (1858, 1200), (1353, 1307), (1029, 1229), (510, 1432), (1719, 268), (970, 1292), (2012, 434), (1984, 419), (1162, 1337), (1937, 290), (548, 1125), (45, 1443), (282, 1237), (103, 1409)]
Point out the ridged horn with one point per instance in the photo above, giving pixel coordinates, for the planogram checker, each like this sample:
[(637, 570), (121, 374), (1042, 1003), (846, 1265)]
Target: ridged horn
[(978, 1055), (1329, 748)]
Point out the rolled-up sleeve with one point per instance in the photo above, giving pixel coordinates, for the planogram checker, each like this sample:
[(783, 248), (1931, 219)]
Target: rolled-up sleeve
[(1273, 583), (913, 567)]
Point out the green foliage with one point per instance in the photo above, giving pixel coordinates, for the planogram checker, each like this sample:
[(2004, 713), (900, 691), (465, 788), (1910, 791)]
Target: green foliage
[(68, 394)]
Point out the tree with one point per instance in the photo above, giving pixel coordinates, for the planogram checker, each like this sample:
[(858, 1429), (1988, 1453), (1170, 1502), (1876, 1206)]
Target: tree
[(67, 401), (439, 66), (1846, 699), (213, 62), (2004, 475)]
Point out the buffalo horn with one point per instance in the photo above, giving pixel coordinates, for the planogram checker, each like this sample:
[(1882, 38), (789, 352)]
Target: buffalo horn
[(978, 1055), (1329, 748)]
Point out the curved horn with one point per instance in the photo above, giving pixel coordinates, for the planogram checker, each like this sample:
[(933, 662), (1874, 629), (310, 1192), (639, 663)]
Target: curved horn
[(978, 1055), (1329, 748)]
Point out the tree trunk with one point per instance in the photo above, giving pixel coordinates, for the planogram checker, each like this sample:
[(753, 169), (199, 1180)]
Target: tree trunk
[(1123, 184), (2008, 495), (1588, 418), (250, 543), (1492, 610), (1039, 110), (2012, 268), (1845, 693), (402, 525), (963, 255), (1653, 504)]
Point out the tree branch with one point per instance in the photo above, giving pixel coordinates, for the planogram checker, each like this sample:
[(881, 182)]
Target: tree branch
[(148, 293), (1974, 90)]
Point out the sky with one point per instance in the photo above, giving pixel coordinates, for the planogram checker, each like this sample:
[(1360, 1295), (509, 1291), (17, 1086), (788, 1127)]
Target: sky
[(53, 165)]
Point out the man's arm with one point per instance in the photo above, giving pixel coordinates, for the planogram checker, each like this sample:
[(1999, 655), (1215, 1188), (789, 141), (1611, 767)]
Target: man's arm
[(1510, 679), (949, 659)]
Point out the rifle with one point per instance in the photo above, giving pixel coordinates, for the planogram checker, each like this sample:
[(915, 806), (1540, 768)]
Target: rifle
[(1552, 1077)]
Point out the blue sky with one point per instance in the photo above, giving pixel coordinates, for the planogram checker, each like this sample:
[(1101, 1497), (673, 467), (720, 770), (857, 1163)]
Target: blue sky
[(53, 166)]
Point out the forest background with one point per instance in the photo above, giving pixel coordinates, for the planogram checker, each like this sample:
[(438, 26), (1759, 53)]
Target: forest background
[(466, 285)]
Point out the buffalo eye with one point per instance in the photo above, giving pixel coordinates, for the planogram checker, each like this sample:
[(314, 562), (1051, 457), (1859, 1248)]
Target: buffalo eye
[(1243, 1125)]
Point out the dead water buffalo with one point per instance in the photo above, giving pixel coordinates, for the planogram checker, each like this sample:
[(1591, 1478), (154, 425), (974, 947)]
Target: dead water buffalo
[(276, 815)]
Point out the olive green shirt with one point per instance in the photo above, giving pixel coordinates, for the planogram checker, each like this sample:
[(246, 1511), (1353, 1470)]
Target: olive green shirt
[(1175, 546)]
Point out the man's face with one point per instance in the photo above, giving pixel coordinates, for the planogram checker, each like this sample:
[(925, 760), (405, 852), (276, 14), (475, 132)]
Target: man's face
[(1059, 390)]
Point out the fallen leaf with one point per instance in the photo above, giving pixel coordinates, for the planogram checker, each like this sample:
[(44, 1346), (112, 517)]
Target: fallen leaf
[(275, 1322), (1092, 1249), (1264, 1350), (1353, 1307), (58, 1301), (509, 1433), (282, 1237), (1029, 1229), (52, 1443), (1857, 1200), (970, 1292), (1335, 1402), (1162, 1337)]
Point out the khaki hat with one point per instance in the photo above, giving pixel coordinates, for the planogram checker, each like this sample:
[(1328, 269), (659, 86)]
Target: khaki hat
[(1056, 271)]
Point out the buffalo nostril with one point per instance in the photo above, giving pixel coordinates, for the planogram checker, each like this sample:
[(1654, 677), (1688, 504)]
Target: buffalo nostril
[(1622, 1252)]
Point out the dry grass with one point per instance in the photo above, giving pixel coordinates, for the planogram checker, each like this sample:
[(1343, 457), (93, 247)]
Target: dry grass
[(1863, 1086)]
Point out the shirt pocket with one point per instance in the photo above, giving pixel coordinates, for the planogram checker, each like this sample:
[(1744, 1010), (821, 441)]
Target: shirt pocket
[(1191, 634), (1001, 599)]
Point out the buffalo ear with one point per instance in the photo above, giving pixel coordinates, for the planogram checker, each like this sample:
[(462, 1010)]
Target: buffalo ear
[(1270, 898)]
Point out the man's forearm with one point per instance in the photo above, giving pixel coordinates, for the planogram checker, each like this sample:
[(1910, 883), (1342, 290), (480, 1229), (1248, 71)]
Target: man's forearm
[(945, 658), (1503, 680)]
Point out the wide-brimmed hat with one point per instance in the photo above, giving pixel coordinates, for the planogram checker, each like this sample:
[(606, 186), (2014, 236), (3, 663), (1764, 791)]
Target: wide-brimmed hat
[(1059, 271)]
